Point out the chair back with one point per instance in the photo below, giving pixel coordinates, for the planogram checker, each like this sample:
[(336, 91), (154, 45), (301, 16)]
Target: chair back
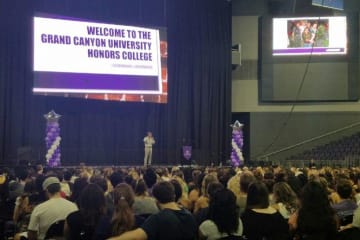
[(349, 234), (56, 231), (232, 237)]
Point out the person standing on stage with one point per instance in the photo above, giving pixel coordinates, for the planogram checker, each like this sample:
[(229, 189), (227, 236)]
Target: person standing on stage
[(148, 141)]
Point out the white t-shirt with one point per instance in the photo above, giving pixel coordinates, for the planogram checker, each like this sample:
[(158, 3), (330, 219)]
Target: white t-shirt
[(283, 211), (49, 212), (209, 229), (149, 141), (356, 218)]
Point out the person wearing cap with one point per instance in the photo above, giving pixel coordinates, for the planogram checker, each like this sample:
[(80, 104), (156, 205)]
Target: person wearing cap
[(54, 209)]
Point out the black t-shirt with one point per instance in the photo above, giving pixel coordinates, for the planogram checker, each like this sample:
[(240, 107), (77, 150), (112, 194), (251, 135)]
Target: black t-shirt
[(80, 231), (171, 224), (103, 230), (202, 215), (261, 225)]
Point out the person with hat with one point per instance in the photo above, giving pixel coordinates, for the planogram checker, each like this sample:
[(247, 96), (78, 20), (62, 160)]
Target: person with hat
[(54, 209)]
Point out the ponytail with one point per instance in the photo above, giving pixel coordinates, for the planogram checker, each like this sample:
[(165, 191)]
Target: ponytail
[(123, 218)]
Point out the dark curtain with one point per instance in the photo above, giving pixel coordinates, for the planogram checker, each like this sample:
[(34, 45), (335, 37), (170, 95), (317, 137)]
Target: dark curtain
[(102, 132)]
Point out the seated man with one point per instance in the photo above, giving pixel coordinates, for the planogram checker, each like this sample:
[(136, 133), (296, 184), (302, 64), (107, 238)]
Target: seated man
[(346, 206), (171, 222), (50, 211)]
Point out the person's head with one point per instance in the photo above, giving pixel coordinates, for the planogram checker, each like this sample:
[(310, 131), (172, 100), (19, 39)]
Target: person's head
[(223, 211), (344, 188), (116, 178), (315, 212), (67, 175), (123, 218), (100, 181), (257, 196), (51, 185), (284, 194), (140, 188), (195, 175), (164, 192), (123, 193), (213, 188), (313, 195), (79, 184), (150, 177), (130, 181), (30, 187), (280, 176), (39, 169), (92, 203), (149, 134), (210, 178), (22, 174), (246, 178), (177, 189)]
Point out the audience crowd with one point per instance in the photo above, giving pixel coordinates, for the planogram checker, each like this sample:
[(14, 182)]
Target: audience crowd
[(162, 203)]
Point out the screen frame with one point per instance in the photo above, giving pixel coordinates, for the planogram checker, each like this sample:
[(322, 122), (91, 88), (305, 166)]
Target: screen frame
[(68, 93), (266, 57), (266, 41)]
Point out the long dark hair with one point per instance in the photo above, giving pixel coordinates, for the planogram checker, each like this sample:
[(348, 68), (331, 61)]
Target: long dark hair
[(257, 196), (92, 204), (123, 218), (79, 185), (316, 216), (224, 212), (140, 188)]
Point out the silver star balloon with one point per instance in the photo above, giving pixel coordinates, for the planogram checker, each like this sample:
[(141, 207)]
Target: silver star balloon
[(52, 116), (237, 125)]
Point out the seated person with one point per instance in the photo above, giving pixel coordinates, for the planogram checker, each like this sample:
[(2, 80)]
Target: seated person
[(144, 204), (223, 217), (83, 223), (346, 206), (315, 219), (260, 220), (50, 211)]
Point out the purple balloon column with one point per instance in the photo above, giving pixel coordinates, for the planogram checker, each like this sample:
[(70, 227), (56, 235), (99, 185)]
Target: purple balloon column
[(237, 143), (52, 139)]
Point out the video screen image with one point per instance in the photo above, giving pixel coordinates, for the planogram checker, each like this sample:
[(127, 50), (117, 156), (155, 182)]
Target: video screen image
[(310, 35)]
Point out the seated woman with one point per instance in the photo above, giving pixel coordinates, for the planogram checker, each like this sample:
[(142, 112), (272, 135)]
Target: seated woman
[(285, 199), (123, 218), (246, 178), (203, 200), (203, 213), (260, 220), (84, 223), (144, 205), (23, 207), (315, 219), (223, 217)]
